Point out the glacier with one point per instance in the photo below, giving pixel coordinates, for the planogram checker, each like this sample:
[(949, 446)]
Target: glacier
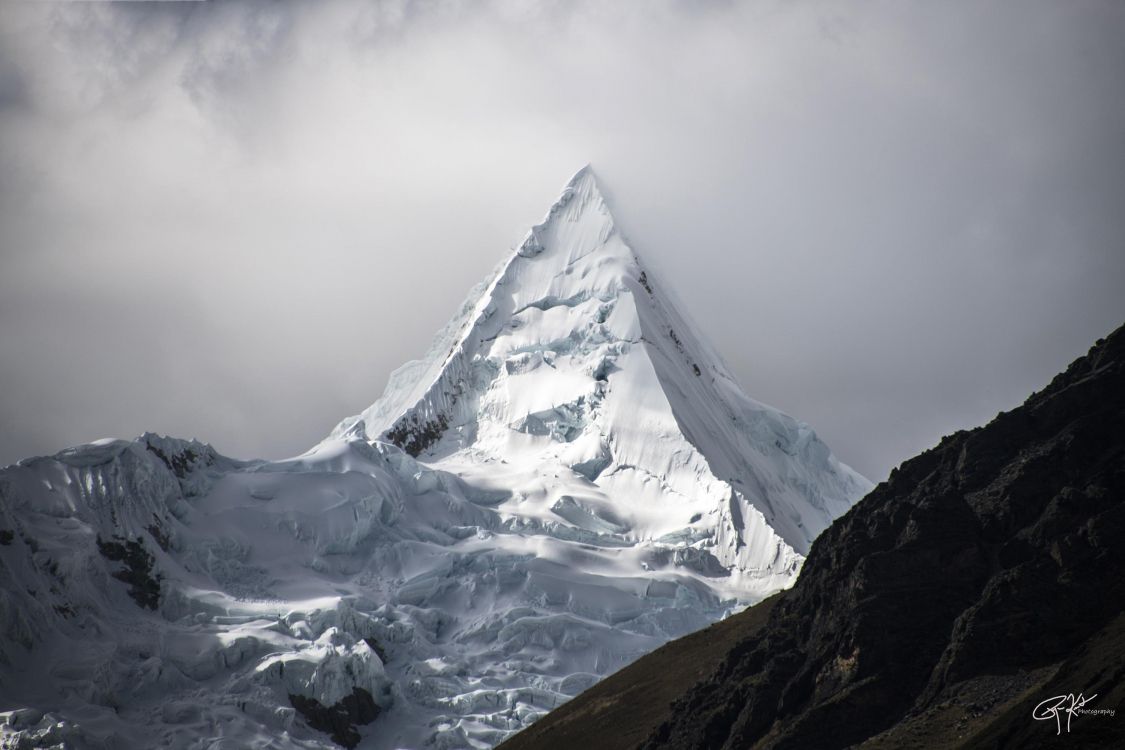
[(568, 479)]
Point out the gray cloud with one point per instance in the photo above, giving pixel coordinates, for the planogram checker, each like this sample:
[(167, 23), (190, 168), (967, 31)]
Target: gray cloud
[(232, 220)]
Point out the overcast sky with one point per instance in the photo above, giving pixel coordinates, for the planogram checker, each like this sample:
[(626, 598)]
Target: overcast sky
[(232, 221)]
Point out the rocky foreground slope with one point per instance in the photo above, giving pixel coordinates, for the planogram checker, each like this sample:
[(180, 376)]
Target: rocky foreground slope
[(968, 601)]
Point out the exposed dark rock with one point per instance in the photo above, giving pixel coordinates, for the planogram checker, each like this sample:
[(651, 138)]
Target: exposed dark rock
[(183, 462), (644, 282), (414, 435), (379, 650), (339, 720), (144, 587), (6, 537), (159, 534), (675, 339)]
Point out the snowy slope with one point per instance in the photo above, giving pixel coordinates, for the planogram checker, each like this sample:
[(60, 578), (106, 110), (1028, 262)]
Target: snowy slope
[(586, 483), (572, 358)]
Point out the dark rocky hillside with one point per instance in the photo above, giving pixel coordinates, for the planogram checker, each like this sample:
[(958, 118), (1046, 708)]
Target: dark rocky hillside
[(984, 577)]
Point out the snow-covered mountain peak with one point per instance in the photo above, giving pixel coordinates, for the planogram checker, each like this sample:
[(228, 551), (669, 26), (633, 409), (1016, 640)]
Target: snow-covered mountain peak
[(573, 258), (572, 357), (580, 219), (568, 479)]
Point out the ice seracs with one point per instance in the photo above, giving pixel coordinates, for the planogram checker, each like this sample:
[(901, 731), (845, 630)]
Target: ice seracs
[(570, 478)]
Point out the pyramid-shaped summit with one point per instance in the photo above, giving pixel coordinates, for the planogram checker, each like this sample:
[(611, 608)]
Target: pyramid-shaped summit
[(570, 388), (570, 479)]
